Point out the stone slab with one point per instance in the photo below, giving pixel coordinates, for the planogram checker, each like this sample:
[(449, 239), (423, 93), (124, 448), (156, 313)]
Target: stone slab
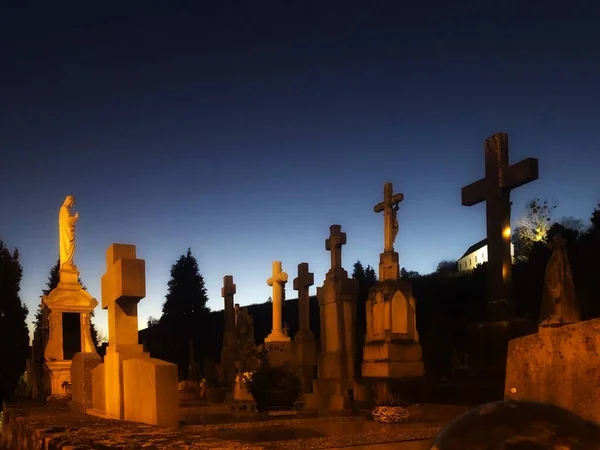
[(560, 366), (82, 366)]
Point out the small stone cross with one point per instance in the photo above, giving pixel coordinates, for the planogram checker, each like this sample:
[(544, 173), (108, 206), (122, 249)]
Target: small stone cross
[(389, 206), (334, 245), (304, 280)]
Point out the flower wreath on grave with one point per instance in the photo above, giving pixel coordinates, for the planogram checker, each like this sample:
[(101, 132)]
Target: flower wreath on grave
[(390, 409), (244, 378)]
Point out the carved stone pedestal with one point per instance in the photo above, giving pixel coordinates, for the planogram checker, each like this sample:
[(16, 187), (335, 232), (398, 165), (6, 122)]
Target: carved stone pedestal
[(392, 347), (55, 374)]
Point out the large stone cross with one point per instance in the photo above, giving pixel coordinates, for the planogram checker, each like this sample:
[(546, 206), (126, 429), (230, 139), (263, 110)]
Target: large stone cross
[(494, 189), (334, 245), (277, 281), (123, 286), (389, 206), (302, 283), (227, 292)]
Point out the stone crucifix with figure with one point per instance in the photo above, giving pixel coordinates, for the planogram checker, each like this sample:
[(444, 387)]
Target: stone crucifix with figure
[(277, 282), (389, 268), (494, 189)]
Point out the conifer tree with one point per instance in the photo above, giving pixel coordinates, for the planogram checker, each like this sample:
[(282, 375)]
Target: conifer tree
[(185, 314), (13, 326)]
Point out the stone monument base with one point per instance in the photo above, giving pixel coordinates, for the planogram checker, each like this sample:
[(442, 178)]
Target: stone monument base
[(55, 374), (488, 342), (333, 395), (367, 390), (81, 380), (396, 359), (559, 366), (280, 352)]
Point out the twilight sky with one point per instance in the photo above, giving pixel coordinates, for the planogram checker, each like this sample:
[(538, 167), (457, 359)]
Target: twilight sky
[(245, 129)]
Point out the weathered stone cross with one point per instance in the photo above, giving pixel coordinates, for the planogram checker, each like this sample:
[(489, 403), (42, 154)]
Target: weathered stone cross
[(277, 281), (227, 292), (304, 280), (389, 208), (494, 189), (334, 245)]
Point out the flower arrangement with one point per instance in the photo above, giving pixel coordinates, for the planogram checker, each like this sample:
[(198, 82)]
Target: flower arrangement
[(390, 409), (244, 378)]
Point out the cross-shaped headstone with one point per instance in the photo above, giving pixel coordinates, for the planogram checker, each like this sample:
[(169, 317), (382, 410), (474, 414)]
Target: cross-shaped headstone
[(389, 206), (227, 292), (302, 283), (123, 286), (334, 245), (277, 281), (494, 189)]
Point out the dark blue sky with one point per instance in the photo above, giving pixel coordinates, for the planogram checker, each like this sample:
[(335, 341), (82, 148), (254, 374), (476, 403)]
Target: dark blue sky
[(244, 129)]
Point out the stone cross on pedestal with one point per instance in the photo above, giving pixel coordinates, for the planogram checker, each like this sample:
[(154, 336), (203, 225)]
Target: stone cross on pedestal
[(389, 206), (334, 245), (494, 189), (302, 283), (227, 292), (277, 281)]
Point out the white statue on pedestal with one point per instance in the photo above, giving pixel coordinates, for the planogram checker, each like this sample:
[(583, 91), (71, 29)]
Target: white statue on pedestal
[(66, 232)]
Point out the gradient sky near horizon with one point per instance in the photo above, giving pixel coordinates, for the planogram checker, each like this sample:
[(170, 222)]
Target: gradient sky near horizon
[(245, 129)]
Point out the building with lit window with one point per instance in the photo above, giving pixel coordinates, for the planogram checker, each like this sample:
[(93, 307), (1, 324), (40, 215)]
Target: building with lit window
[(478, 254)]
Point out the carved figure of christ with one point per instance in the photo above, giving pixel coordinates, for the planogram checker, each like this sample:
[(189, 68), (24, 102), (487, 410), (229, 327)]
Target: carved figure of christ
[(494, 189), (389, 206)]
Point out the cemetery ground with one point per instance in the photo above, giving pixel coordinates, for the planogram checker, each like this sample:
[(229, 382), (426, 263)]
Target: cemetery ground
[(217, 426)]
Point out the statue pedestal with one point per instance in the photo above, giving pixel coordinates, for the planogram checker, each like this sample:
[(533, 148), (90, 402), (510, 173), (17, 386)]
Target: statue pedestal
[(55, 374)]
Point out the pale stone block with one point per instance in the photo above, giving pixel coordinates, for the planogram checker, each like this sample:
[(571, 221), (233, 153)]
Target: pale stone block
[(151, 392), (119, 251), (98, 391), (560, 366), (126, 278), (81, 380), (113, 378)]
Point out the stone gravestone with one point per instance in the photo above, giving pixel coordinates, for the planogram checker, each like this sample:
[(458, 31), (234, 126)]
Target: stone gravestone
[(559, 364), (303, 345), (277, 342), (392, 349), (129, 384), (488, 341), (68, 299), (337, 306)]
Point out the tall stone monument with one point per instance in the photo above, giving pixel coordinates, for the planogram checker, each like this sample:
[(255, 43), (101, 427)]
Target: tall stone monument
[(489, 340), (337, 306), (68, 301), (304, 346), (228, 351), (392, 348), (278, 342), (130, 385)]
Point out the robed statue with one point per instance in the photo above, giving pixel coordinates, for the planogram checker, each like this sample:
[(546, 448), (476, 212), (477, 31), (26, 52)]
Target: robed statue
[(559, 303), (66, 232)]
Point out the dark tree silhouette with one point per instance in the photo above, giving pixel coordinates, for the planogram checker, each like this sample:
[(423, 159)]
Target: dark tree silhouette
[(408, 275), (366, 278), (185, 314), (446, 266), (595, 219), (13, 327)]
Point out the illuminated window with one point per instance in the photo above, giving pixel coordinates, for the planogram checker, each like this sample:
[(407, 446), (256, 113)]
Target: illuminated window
[(475, 258)]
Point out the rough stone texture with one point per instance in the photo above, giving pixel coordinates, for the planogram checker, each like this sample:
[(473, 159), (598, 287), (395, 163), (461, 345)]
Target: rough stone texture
[(518, 425), (151, 392), (81, 380), (30, 426), (560, 366)]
